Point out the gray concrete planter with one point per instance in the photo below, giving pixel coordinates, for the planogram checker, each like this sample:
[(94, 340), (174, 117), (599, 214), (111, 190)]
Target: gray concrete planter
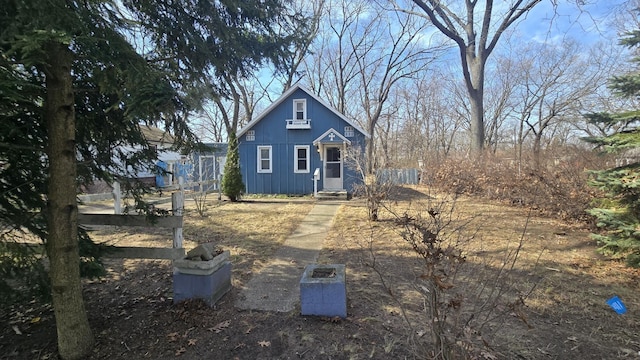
[(196, 279), (323, 290)]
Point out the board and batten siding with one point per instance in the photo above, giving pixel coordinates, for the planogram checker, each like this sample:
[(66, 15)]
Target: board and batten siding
[(271, 131)]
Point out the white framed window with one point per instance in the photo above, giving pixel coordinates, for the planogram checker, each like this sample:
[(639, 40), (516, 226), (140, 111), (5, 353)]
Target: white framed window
[(251, 135), (348, 131), (264, 159), (301, 159), (300, 109)]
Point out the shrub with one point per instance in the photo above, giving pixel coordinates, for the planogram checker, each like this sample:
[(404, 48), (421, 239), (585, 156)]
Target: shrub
[(559, 190), (232, 185)]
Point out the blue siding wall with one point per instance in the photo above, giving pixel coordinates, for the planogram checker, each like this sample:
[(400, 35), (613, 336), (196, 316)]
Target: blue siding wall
[(271, 131)]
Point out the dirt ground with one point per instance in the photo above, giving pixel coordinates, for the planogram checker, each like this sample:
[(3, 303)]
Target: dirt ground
[(565, 315)]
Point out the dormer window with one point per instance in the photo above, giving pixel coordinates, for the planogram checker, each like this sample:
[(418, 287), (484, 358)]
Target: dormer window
[(300, 109), (300, 119)]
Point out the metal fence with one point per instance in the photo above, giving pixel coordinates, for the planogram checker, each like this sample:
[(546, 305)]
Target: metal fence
[(399, 176)]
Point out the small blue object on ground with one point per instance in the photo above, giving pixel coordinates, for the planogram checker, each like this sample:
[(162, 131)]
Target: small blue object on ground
[(617, 305)]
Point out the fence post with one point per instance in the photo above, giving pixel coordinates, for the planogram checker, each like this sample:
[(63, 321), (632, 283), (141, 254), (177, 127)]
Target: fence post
[(218, 178), (117, 198), (177, 207)]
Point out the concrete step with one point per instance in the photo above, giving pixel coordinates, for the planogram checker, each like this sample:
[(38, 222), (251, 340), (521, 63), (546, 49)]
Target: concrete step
[(332, 195)]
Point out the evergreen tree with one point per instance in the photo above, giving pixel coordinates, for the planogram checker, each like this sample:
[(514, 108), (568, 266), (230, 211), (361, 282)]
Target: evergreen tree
[(232, 185), (77, 92), (618, 214), (74, 94)]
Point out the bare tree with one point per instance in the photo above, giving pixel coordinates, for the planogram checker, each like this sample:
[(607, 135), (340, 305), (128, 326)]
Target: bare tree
[(207, 126), (556, 80), (470, 27), (430, 121), (382, 64), (331, 70), (499, 102), (365, 51), (223, 114), (625, 17)]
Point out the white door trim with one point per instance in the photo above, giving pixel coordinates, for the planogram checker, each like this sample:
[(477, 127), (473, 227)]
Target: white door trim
[(329, 180)]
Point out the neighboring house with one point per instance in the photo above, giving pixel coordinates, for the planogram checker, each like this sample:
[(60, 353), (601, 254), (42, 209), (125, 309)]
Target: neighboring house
[(176, 164), (294, 137), (200, 166), (159, 140)]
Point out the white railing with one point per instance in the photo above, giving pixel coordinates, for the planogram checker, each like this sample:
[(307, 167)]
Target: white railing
[(298, 124)]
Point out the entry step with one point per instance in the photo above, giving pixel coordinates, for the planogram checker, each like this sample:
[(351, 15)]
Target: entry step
[(332, 195)]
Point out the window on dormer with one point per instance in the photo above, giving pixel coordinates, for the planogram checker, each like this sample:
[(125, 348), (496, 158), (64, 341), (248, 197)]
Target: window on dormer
[(300, 109)]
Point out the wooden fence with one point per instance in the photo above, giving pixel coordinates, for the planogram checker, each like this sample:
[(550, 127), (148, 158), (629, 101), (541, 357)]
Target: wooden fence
[(117, 196), (174, 222)]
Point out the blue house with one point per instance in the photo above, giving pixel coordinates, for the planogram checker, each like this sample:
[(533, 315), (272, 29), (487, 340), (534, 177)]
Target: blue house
[(295, 138)]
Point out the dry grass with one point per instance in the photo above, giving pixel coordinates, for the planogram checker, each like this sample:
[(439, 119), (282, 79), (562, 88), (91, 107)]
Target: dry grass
[(566, 315), (251, 230)]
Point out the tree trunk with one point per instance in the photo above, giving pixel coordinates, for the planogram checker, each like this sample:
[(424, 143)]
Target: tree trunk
[(475, 88), (537, 149), (75, 339)]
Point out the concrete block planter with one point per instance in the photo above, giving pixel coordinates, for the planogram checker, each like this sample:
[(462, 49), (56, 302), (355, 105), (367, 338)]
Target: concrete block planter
[(323, 290), (196, 279)]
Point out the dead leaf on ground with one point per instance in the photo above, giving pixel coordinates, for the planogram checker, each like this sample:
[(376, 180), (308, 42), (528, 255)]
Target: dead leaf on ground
[(192, 342), (181, 351), (173, 336), (264, 343), (487, 356), (221, 326)]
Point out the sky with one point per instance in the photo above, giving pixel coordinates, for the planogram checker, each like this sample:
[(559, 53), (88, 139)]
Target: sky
[(589, 23)]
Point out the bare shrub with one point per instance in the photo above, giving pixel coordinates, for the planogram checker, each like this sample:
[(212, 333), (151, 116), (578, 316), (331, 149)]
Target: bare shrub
[(559, 189), (466, 295), (373, 189), (200, 200)]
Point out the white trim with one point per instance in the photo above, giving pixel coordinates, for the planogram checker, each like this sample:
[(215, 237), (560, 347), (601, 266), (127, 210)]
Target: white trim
[(339, 181), (295, 159), (295, 109), (260, 159), (344, 139), (288, 93)]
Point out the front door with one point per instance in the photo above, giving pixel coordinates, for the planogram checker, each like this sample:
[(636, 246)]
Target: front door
[(333, 168)]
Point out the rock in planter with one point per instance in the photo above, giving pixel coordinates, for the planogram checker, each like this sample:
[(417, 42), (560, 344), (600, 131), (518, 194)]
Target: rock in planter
[(202, 279), (323, 290), (203, 252)]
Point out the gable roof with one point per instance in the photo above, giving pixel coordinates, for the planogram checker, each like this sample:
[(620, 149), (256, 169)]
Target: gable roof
[(155, 135), (330, 136), (285, 95)]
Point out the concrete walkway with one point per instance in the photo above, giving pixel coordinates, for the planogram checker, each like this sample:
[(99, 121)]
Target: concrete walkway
[(276, 287)]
